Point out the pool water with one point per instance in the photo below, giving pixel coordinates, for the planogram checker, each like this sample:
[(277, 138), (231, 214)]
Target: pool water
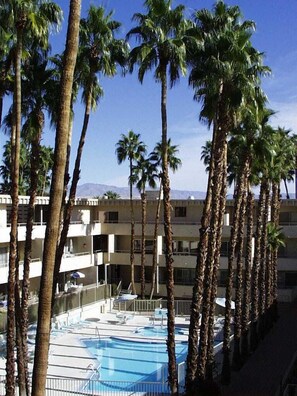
[(155, 331), (129, 361)]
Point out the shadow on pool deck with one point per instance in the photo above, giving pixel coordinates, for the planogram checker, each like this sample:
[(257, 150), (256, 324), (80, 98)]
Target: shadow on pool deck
[(263, 372)]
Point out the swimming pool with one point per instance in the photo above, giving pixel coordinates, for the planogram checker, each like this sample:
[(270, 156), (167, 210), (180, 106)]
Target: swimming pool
[(156, 331), (130, 362)]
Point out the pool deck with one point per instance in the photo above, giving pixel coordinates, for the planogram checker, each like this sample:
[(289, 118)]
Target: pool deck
[(69, 358)]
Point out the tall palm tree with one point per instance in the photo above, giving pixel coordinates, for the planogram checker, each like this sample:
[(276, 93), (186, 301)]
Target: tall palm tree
[(174, 163), (99, 54), (144, 174), (25, 21), (265, 152), (56, 195), (161, 34), (283, 163), (225, 67), (131, 148), (240, 148), (36, 80)]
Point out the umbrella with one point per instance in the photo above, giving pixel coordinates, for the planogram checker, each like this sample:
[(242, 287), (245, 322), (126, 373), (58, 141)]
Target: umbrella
[(222, 302), (77, 275)]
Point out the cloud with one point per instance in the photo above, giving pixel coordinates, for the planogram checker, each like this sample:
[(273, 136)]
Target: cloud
[(281, 86), (191, 175), (286, 115)]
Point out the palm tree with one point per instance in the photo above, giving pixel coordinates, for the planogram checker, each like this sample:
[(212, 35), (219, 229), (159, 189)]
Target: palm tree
[(225, 67), (246, 298), (56, 195), (131, 148), (35, 82), (5, 169), (240, 148), (275, 240), (161, 34), (5, 66), (45, 166), (144, 173), (206, 154), (174, 163), (25, 21), (283, 162), (265, 152), (99, 54), (111, 195)]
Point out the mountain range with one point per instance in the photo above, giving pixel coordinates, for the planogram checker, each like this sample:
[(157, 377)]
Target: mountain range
[(91, 190)]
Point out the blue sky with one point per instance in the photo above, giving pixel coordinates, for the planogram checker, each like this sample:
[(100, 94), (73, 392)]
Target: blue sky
[(129, 105)]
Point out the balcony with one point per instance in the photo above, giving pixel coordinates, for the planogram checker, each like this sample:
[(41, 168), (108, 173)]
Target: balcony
[(122, 257)]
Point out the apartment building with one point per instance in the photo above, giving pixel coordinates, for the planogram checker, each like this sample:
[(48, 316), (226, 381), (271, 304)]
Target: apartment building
[(98, 244)]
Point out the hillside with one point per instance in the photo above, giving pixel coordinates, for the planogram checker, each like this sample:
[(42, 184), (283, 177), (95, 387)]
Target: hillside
[(90, 190)]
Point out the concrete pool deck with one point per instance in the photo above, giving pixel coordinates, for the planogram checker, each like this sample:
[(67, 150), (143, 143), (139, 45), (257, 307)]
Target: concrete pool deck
[(69, 358)]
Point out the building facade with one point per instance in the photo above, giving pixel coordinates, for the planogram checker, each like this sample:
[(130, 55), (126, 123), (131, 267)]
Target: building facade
[(98, 244)]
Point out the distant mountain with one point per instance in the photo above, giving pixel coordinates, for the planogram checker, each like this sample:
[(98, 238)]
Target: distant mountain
[(91, 190)]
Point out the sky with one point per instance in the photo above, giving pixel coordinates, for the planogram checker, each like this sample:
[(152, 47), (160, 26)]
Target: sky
[(129, 105)]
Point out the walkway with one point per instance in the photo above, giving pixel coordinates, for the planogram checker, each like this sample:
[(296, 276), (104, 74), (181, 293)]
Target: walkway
[(263, 372)]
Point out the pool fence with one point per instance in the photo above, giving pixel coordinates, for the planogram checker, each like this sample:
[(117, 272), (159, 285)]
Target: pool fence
[(74, 387)]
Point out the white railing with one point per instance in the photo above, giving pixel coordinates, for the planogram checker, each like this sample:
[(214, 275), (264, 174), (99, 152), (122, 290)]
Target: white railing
[(93, 386), (181, 307)]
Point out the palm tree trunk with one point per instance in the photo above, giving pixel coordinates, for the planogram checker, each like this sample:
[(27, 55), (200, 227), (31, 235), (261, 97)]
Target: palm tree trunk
[(132, 258), (155, 244), (21, 359), (15, 148), (72, 193), (23, 304), (172, 367), (198, 282), (214, 242), (226, 367), (247, 278), (210, 364), (262, 272), (255, 272), (236, 360), (286, 187), (56, 195), (143, 207), (275, 209)]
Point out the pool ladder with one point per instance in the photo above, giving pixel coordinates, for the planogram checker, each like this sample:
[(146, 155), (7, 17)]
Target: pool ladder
[(95, 370), (97, 333)]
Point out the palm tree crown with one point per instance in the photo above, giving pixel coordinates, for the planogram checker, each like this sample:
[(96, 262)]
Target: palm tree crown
[(161, 34)]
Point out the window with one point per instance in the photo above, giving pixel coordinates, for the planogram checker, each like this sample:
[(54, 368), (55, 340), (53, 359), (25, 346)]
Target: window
[(291, 279), (284, 218), (222, 278), (224, 249), (193, 247), (112, 217), (282, 251), (184, 276), (180, 247), (148, 246), (137, 245), (281, 279), (180, 211), (3, 257)]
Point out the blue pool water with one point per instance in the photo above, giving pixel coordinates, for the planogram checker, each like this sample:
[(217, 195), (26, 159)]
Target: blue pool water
[(155, 331), (130, 361)]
